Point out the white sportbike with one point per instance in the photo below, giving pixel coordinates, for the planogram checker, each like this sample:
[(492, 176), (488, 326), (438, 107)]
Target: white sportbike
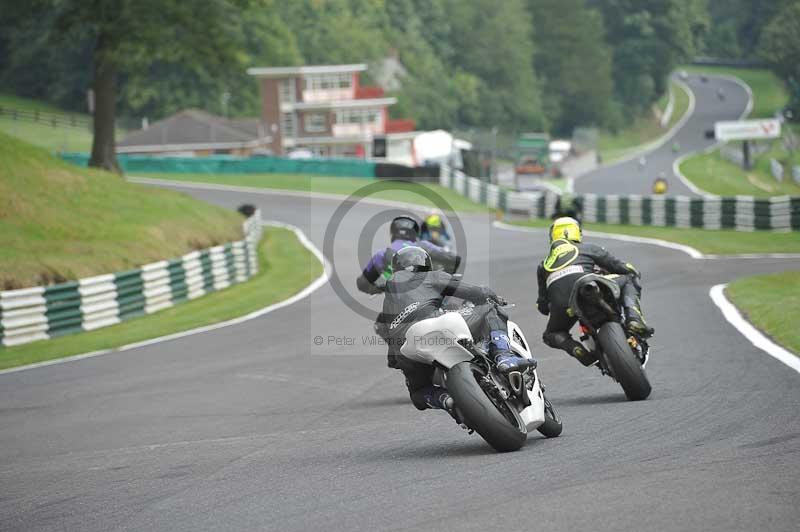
[(503, 409)]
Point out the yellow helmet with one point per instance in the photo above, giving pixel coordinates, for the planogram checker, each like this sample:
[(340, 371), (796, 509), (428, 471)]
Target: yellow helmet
[(434, 220), (565, 228)]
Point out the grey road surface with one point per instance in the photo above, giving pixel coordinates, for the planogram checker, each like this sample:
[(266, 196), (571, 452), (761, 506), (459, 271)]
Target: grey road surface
[(253, 427), (629, 178)]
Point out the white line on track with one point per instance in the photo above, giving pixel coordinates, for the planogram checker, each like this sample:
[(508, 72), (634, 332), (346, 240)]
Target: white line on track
[(644, 149), (689, 250), (305, 292), (729, 311), (755, 337), (676, 164)]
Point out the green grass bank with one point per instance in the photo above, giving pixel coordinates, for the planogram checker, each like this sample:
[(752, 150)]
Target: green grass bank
[(285, 268), (645, 129), (61, 222), (771, 303)]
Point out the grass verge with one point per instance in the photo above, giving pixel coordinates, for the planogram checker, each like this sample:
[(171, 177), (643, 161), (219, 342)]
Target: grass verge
[(43, 133), (59, 221), (645, 129), (406, 192), (286, 267), (714, 174), (722, 242), (771, 303), (769, 93)]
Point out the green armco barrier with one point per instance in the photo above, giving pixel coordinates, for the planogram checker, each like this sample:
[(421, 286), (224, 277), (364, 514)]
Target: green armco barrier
[(741, 213), (227, 164), (43, 312)]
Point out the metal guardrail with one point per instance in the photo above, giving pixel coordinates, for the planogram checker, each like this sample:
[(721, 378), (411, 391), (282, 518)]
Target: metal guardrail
[(40, 313), (741, 213)]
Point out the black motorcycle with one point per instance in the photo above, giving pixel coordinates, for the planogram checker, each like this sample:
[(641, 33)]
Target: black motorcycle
[(621, 355)]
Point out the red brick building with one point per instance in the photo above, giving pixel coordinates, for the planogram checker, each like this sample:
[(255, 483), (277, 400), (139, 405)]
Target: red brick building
[(324, 109)]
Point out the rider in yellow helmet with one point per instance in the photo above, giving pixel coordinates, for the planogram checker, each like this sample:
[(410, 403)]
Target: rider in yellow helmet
[(434, 230), (568, 260)]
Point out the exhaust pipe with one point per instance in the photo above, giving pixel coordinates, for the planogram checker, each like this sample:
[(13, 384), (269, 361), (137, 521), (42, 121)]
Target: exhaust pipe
[(516, 382)]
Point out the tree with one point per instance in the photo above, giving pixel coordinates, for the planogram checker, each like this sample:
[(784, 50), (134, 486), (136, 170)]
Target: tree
[(649, 38), (129, 35), (495, 45), (574, 63), (780, 48)]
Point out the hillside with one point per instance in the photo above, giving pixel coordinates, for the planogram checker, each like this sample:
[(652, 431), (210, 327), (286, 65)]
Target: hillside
[(61, 222)]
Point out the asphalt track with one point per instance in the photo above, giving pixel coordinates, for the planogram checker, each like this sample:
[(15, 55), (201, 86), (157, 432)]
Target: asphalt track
[(629, 178), (253, 427)]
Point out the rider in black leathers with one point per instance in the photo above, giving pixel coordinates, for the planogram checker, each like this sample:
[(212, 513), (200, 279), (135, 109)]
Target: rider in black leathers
[(415, 293), (568, 260)]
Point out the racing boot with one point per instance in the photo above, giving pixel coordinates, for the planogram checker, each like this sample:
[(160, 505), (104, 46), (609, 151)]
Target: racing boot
[(634, 322), (587, 358), (506, 360)]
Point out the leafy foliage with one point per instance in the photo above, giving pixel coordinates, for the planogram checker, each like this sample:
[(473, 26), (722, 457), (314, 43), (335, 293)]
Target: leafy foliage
[(517, 65)]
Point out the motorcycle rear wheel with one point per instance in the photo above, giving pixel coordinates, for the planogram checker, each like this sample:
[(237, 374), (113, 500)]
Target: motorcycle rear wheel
[(624, 365), (480, 411)]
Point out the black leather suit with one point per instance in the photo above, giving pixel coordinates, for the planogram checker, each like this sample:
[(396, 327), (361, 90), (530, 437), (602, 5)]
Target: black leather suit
[(557, 273), (413, 296)]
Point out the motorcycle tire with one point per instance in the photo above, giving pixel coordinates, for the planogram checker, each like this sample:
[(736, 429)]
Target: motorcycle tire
[(480, 412), (552, 426), (624, 366)]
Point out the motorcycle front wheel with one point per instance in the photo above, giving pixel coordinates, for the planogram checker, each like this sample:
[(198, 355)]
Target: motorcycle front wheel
[(496, 421), (624, 364)]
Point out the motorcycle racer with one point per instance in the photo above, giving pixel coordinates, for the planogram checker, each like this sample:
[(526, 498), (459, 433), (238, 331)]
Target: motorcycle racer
[(403, 232), (569, 259), (415, 292)]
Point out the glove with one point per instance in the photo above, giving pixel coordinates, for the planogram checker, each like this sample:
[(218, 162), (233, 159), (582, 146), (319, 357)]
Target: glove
[(633, 270), (374, 289), (500, 300), (543, 306)]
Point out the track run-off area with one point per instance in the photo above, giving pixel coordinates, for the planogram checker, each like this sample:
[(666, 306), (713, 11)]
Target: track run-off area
[(290, 421)]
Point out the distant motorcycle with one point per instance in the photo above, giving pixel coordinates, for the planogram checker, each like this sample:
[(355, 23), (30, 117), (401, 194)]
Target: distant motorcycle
[(503, 409), (621, 356)]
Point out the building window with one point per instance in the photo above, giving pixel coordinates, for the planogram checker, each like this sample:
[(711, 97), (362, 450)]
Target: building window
[(358, 116), (287, 125), (315, 123), (341, 80), (286, 90)]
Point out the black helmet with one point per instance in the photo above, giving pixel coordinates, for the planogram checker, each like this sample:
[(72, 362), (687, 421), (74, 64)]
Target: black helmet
[(404, 228), (412, 258)]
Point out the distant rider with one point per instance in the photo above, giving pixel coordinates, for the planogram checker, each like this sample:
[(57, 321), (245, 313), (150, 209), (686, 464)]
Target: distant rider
[(403, 232), (414, 293), (569, 259), (434, 230)]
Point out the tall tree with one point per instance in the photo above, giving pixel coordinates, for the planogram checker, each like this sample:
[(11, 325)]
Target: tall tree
[(649, 38), (495, 45), (129, 35), (780, 47), (574, 63)]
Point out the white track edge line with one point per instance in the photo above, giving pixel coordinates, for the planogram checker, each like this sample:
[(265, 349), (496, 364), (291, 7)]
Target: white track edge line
[(676, 164), (305, 292), (660, 141), (689, 250), (746, 329), (278, 192)]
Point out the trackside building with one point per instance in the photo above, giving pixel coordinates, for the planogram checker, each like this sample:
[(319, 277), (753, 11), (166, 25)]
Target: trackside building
[(324, 109)]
